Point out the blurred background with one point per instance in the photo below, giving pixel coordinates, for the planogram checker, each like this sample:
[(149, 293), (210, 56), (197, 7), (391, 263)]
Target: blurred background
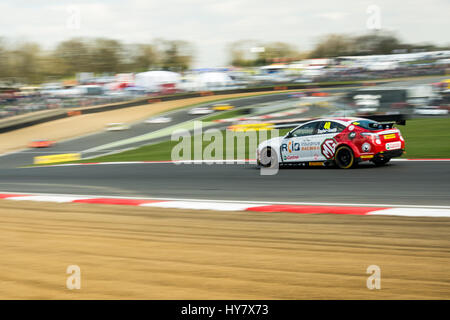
[(158, 67), (83, 53)]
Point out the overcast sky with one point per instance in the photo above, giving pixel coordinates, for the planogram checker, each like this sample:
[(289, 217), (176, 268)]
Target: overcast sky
[(211, 24)]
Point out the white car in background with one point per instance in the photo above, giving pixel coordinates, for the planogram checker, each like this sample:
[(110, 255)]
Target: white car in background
[(430, 111), (159, 120), (117, 126), (200, 110)]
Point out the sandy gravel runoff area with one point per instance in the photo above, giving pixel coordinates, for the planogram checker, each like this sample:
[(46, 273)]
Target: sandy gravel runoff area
[(89, 123), (150, 253)]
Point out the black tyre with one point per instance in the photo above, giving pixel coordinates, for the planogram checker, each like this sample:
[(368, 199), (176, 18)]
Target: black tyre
[(268, 158), (344, 157), (381, 162)]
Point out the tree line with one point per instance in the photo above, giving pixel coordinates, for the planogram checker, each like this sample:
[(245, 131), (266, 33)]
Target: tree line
[(332, 45), (28, 62)]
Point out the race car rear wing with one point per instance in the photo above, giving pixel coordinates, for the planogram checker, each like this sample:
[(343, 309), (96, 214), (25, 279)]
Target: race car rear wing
[(390, 125), (386, 120), (389, 119)]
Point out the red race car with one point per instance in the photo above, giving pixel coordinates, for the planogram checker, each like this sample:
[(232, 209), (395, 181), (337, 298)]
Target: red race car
[(341, 141), (41, 144)]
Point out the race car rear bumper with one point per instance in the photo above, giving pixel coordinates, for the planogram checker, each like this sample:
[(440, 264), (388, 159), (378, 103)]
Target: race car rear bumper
[(388, 154), (381, 155)]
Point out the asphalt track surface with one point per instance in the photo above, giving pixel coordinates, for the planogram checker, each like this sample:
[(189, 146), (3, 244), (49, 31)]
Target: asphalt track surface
[(400, 183)]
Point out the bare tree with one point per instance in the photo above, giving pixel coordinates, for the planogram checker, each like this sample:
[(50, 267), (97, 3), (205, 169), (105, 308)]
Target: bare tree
[(332, 45)]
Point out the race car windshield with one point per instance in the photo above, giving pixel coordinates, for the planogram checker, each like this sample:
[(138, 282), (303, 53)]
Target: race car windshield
[(368, 124)]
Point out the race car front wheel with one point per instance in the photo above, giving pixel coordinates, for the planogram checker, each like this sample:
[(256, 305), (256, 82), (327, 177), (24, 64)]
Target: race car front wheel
[(344, 157), (268, 158)]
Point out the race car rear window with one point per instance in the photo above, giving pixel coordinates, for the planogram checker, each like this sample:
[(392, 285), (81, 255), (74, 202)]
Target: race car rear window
[(368, 124)]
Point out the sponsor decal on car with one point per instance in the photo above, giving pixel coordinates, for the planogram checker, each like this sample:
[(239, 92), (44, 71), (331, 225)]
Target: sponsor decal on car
[(291, 146), (328, 148), (327, 130), (311, 145), (393, 145), (365, 147), (308, 148)]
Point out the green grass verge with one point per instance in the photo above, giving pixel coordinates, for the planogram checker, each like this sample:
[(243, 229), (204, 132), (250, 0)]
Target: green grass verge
[(225, 115), (163, 150), (427, 138)]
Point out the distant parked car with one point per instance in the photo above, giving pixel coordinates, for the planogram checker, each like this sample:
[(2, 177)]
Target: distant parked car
[(302, 80), (117, 126), (159, 120), (41, 144), (297, 95), (431, 111), (222, 107), (200, 110)]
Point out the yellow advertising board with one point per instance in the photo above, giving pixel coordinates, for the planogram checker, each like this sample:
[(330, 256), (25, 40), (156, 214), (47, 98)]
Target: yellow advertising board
[(57, 158)]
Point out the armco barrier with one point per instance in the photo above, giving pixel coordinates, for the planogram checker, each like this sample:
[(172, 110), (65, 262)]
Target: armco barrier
[(27, 122), (56, 158), (31, 119)]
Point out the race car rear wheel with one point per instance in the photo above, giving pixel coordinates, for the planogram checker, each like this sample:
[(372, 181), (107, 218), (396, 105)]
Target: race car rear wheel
[(344, 157), (268, 158), (381, 162)]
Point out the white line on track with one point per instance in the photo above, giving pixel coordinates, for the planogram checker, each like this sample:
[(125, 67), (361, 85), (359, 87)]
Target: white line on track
[(108, 153), (13, 152)]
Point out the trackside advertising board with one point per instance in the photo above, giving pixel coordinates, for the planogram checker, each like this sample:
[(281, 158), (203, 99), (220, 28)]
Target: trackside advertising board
[(57, 158)]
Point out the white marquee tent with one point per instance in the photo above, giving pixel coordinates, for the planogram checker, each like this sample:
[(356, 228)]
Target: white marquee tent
[(152, 80)]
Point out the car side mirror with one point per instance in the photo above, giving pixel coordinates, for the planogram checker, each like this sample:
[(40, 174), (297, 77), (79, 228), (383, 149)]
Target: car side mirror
[(288, 135)]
